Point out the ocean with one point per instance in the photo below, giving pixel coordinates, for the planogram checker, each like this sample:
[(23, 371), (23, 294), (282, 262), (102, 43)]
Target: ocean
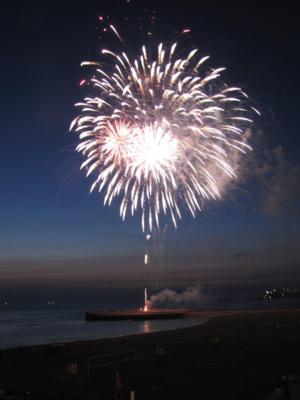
[(41, 319)]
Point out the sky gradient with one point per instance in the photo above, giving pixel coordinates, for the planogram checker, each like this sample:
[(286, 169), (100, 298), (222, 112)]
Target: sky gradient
[(53, 231)]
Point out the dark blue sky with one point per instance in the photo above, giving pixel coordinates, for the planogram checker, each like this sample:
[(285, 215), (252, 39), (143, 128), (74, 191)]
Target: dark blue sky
[(53, 230)]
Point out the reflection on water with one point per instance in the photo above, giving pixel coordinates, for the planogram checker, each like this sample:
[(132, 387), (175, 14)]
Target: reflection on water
[(30, 327), (147, 326)]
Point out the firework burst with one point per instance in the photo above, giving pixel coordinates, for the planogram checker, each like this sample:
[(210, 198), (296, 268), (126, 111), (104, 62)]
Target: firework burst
[(160, 131)]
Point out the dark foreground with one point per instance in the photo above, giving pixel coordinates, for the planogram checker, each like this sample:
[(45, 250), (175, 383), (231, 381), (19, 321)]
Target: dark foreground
[(238, 355)]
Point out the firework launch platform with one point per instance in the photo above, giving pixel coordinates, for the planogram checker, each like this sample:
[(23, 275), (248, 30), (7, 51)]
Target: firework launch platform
[(135, 315)]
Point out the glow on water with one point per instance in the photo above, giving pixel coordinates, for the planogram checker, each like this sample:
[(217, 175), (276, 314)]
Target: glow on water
[(55, 324)]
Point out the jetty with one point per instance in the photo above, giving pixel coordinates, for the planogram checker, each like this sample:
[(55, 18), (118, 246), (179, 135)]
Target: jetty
[(135, 314)]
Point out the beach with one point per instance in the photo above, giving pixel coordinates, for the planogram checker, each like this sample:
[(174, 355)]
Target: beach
[(234, 355)]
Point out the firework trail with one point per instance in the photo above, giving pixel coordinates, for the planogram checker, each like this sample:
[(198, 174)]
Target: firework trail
[(160, 132)]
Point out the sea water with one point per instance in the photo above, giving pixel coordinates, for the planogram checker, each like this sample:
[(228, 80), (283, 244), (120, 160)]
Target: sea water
[(64, 324), (41, 318)]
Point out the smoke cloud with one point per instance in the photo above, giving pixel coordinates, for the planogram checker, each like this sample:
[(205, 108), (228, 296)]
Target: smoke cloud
[(274, 179), (192, 296), (279, 179)]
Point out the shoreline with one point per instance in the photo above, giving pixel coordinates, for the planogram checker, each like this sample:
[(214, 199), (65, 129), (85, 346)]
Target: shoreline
[(236, 354), (204, 316)]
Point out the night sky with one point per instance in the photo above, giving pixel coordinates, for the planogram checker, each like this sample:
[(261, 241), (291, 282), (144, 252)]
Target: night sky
[(54, 232)]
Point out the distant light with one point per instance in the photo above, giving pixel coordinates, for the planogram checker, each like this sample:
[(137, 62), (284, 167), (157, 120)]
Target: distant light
[(82, 82), (101, 18), (186, 30)]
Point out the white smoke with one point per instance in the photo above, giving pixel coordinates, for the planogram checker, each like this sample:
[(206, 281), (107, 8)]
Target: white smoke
[(275, 177), (192, 296)]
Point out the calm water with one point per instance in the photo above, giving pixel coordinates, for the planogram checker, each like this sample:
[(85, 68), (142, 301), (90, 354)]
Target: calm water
[(22, 322), (56, 324)]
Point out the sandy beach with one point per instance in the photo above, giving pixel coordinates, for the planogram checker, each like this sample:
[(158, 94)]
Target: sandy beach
[(234, 355)]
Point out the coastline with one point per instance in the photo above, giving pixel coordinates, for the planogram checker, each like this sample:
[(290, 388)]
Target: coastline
[(236, 340), (203, 315)]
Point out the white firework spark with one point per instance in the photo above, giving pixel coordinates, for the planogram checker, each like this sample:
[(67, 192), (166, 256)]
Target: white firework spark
[(160, 132)]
